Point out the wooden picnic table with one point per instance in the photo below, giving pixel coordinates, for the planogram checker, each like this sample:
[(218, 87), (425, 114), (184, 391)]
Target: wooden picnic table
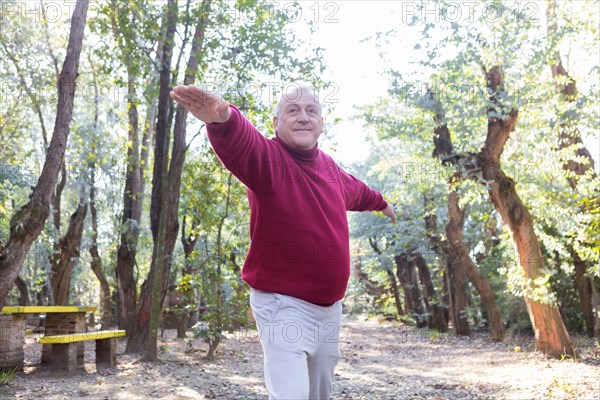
[(60, 320)]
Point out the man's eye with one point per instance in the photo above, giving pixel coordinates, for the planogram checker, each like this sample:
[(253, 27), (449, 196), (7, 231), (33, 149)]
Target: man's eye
[(291, 110), (312, 111)]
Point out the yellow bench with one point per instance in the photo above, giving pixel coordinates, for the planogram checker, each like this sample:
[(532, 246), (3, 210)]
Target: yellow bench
[(46, 309), (64, 348), (79, 337)]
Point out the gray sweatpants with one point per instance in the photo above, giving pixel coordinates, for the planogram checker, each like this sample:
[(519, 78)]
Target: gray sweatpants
[(300, 342)]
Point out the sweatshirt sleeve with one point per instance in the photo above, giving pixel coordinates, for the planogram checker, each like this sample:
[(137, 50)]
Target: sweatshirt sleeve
[(359, 196), (244, 151)]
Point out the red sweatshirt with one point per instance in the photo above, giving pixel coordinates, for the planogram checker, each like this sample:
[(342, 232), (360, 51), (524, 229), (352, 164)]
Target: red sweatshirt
[(298, 201)]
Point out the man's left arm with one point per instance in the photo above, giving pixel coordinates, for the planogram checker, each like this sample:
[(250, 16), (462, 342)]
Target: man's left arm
[(360, 197), (388, 211)]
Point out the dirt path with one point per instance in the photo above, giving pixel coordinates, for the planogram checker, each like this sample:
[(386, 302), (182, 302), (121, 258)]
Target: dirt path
[(379, 361)]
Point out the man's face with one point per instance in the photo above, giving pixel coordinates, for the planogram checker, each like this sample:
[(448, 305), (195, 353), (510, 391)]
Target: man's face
[(300, 123)]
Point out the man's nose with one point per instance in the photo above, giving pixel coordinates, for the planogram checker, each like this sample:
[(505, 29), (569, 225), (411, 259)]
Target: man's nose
[(303, 116)]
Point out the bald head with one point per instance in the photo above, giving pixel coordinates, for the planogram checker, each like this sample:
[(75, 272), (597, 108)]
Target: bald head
[(293, 93)]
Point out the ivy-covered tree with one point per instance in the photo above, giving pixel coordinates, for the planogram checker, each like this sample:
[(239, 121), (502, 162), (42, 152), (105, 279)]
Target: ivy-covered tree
[(27, 223)]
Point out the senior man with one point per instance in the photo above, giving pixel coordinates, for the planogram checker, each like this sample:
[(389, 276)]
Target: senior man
[(298, 264)]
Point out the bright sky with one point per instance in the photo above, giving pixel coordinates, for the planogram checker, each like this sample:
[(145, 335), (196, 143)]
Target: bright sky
[(355, 67)]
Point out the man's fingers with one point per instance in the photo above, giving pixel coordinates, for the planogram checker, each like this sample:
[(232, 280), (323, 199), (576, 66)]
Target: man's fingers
[(389, 212), (179, 97), (205, 106), (184, 97), (187, 103), (197, 93), (176, 97)]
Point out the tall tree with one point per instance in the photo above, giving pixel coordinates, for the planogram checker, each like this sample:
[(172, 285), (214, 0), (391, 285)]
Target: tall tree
[(551, 334), (96, 260), (570, 139), (169, 188), (27, 223), (125, 20), (455, 248), (143, 335)]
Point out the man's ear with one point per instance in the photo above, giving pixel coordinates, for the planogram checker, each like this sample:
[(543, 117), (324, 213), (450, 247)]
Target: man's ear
[(275, 122)]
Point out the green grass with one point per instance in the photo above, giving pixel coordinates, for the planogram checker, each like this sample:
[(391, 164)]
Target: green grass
[(7, 376)]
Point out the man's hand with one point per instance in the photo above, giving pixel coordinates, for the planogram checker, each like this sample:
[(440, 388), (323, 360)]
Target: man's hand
[(206, 106), (389, 212)]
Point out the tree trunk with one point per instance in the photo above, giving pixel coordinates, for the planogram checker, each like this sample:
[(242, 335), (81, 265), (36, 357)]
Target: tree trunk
[(423, 274), (69, 252), (157, 277), (188, 242), (457, 250), (548, 325), (391, 277), (569, 136), (437, 320), (439, 246), (455, 239), (27, 223), (54, 258), (23, 291), (131, 216), (550, 331), (57, 196), (455, 274), (405, 272), (595, 305), (130, 221), (401, 266), (150, 125), (372, 288), (395, 291), (446, 300), (584, 284), (240, 287), (96, 263), (43, 296), (458, 295)]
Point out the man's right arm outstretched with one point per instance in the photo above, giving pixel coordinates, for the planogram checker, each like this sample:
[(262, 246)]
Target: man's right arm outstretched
[(206, 106), (242, 149)]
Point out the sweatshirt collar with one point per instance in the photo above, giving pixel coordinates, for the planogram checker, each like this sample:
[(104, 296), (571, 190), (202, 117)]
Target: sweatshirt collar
[(303, 155)]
